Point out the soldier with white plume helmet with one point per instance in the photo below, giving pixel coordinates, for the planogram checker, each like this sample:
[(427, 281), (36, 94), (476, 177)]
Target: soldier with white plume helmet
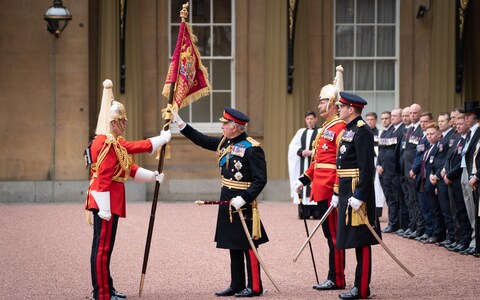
[(111, 165), (322, 176)]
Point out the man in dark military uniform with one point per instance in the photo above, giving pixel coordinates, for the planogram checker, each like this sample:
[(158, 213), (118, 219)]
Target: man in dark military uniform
[(356, 204), (244, 175)]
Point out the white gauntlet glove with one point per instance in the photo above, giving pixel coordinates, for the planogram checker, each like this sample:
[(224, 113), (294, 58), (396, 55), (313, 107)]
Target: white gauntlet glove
[(298, 186), (144, 175), (355, 203), (177, 120), (334, 201), (237, 202), (160, 140), (103, 202)]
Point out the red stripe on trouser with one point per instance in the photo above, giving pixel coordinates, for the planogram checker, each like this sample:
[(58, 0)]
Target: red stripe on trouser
[(365, 278), (102, 260), (255, 271), (338, 254)]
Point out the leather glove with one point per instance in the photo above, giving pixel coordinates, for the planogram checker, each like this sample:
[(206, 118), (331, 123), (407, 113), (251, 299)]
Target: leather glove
[(298, 186), (355, 203), (143, 175), (334, 201), (160, 140), (103, 202), (237, 202), (177, 120)]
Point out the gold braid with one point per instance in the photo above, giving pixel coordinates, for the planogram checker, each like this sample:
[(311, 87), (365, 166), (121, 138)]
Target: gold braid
[(124, 160)]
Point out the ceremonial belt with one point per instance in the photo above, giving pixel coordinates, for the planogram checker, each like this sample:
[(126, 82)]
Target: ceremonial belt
[(356, 218), (119, 179), (325, 166), (353, 173), (239, 185)]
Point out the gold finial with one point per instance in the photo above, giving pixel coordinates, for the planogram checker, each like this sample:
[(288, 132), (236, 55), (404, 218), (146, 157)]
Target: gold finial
[(184, 12)]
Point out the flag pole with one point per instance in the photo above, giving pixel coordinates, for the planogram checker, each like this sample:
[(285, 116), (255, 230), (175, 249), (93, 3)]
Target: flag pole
[(183, 15)]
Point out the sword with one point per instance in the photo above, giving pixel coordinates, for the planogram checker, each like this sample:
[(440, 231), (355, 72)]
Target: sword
[(306, 230), (249, 237), (254, 249), (384, 245), (325, 215), (205, 202)]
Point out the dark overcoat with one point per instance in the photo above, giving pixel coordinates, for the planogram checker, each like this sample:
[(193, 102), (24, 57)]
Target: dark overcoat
[(248, 165), (356, 152)]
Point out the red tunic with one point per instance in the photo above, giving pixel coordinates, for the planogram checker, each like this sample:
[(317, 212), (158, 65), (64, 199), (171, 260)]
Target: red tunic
[(322, 170), (103, 181)]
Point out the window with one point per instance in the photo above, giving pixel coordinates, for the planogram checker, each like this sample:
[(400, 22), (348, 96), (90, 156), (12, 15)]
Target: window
[(366, 45), (212, 21)]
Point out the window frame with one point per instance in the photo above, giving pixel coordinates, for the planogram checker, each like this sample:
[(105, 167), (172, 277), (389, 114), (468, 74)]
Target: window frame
[(214, 126), (375, 57)]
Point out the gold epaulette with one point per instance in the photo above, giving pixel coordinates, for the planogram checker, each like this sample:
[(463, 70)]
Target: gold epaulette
[(360, 123), (253, 142)]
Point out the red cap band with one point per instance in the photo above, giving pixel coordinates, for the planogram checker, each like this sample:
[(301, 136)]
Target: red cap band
[(350, 103), (231, 118)]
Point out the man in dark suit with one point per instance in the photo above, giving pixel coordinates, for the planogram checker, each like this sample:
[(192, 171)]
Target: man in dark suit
[(404, 202), (436, 177), (471, 117), (452, 174), (433, 135), (387, 168)]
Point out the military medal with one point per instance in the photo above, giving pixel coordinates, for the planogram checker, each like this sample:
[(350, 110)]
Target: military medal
[(238, 165), (343, 149), (328, 134), (325, 147), (238, 176), (238, 150)]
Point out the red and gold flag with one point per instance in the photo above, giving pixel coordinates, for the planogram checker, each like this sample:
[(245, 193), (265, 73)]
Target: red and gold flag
[(186, 71)]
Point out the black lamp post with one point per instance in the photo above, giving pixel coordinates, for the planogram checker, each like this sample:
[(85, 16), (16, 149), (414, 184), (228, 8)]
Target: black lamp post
[(57, 17)]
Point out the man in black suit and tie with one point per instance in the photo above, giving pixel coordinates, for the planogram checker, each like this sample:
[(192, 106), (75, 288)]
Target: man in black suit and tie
[(471, 117), (436, 178), (387, 168), (452, 174)]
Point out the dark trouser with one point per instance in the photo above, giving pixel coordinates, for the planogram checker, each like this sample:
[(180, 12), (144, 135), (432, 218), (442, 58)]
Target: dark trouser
[(444, 202), (412, 203), (392, 201), (436, 216), (336, 257), (237, 269), (465, 229), (453, 210), (363, 272), (401, 191), (424, 219), (104, 233)]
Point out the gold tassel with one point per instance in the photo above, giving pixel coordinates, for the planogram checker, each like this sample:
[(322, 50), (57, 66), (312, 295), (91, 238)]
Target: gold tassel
[(230, 211), (357, 220), (256, 225), (88, 217), (167, 152)]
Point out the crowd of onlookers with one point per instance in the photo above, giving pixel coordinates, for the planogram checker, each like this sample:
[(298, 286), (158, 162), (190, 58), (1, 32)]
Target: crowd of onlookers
[(429, 176)]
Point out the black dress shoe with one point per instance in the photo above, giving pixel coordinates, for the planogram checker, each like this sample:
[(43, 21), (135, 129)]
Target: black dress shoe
[(476, 254), (354, 293), (468, 251), (413, 235), (460, 248), (422, 238), (389, 229), (451, 246), (326, 285), (247, 292), (430, 240), (445, 243), (400, 231), (118, 294), (407, 233), (225, 293)]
